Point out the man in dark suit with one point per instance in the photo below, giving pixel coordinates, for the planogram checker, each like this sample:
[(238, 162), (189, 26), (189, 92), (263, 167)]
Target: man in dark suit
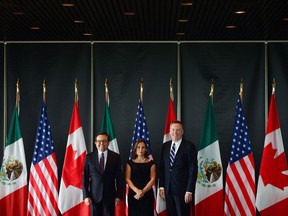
[(103, 180), (177, 172)]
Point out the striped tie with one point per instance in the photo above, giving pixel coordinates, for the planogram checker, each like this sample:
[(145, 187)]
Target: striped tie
[(101, 164), (172, 155)]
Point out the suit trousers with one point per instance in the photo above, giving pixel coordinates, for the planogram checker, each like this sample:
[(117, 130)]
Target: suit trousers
[(105, 209), (176, 206)]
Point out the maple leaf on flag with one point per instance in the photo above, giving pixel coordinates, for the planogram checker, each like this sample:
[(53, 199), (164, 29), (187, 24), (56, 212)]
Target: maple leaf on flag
[(73, 163), (273, 168)]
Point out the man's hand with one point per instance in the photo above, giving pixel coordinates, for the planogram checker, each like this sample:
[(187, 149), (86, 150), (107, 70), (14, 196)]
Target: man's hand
[(117, 201), (162, 193), (87, 201), (188, 197)]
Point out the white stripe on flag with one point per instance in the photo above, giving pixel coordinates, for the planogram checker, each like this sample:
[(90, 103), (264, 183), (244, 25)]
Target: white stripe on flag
[(43, 190)]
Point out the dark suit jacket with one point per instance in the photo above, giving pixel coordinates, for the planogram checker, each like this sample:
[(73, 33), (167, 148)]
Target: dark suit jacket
[(181, 177), (103, 187)]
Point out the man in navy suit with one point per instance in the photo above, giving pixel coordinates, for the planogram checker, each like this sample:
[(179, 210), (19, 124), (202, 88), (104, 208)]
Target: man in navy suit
[(103, 180), (177, 175)]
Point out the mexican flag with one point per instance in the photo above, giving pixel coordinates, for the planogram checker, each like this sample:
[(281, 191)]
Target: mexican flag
[(209, 185), (13, 175), (107, 127)]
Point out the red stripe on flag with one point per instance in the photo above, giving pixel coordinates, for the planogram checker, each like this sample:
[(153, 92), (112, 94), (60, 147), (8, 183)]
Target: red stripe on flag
[(228, 207), (43, 178), (46, 195), (234, 190), (50, 170), (36, 197), (32, 209), (242, 191), (248, 174)]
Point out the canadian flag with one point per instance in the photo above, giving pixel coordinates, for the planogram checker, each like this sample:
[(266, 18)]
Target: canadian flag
[(70, 195), (171, 116), (272, 190)]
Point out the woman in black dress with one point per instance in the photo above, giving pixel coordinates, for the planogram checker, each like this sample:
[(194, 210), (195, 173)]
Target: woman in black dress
[(140, 177)]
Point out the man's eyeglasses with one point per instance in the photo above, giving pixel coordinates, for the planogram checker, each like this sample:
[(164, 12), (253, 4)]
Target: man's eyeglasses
[(101, 141)]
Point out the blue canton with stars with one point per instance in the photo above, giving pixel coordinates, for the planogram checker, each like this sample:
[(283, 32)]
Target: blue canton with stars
[(140, 129), (240, 139), (44, 142)]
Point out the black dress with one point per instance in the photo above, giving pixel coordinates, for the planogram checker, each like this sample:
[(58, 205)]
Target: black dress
[(140, 176)]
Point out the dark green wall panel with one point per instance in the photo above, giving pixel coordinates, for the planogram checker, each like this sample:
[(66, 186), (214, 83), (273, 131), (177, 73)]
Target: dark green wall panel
[(227, 64), (1, 98), (124, 65), (59, 64), (278, 69)]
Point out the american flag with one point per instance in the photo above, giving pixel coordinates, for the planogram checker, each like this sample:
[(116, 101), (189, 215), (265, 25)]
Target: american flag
[(140, 129), (140, 132), (240, 175), (43, 183)]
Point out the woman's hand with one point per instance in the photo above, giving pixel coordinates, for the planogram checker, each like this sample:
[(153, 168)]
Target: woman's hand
[(139, 194)]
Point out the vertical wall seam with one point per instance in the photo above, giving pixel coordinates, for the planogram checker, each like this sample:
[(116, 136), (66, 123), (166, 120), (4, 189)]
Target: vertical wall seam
[(178, 82), (92, 98), (266, 82), (4, 94)]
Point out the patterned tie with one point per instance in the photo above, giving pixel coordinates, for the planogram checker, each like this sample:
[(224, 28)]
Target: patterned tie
[(101, 164), (172, 155)]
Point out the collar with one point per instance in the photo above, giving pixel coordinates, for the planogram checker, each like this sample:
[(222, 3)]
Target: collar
[(177, 144), (105, 153)]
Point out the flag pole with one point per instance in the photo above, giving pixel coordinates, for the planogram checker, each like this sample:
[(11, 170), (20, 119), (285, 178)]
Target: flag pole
[(44, 91), (107, 92), (241, 90), (273, 86), (141, 90), (76, 91), (212, 89), (171, 89), (18, 95)]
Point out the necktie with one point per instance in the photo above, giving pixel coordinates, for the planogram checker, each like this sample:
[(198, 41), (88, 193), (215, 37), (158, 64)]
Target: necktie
[(172, 155), (101, 163)]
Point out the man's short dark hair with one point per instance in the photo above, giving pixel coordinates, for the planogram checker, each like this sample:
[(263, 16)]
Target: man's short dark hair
[(103, 133)]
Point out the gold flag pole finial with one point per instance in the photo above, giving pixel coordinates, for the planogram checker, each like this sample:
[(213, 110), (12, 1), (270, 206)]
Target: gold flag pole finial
[(17, 94), (44, 91), (212, 89), (273, 86), (76, 91), (171, 89), (141, 90), (106, 92), (241, 89)]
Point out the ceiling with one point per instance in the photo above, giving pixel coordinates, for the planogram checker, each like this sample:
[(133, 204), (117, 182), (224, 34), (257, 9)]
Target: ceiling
[(143, 20)]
